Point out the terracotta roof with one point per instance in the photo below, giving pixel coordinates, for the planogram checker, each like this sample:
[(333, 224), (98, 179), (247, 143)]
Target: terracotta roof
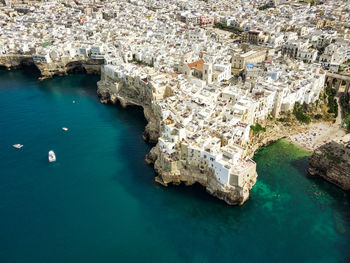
[(197, 64)]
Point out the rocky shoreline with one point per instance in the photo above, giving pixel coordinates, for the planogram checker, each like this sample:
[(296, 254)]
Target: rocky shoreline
[(331, 161), (61, 68), (12, 62), (113, 91)]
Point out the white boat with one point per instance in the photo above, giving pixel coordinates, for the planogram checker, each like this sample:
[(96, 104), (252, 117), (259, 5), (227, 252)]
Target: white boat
[(65, 129), (52, 156), (18, 146)]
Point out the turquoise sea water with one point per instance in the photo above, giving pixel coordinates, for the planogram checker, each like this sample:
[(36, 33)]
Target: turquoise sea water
[(99, 201)]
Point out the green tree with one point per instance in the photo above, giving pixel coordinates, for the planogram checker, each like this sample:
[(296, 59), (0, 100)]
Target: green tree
[(298, 112), (257, 128)]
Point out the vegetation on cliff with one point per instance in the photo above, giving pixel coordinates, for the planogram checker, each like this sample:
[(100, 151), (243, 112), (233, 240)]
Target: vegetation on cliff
[(318, 116), (299, 113), (345, 104), (331, 101), (257, 128)]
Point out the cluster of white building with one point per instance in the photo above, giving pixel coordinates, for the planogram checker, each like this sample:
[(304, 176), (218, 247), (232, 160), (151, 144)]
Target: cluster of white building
[(209, 122), (172, 48)]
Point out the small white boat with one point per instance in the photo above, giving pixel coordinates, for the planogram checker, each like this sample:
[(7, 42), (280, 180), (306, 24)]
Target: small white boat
[(52, 156), (18, 146), (73, 101), (65, 129)]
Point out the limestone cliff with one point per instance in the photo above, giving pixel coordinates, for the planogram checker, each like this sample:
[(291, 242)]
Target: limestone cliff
[(177, 169), (134, 91), (275, 130), (16, 61), (66, 66), (332, 162), (47, 70)]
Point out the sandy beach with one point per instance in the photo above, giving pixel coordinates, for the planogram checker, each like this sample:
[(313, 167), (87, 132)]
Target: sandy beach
[(316, 135)]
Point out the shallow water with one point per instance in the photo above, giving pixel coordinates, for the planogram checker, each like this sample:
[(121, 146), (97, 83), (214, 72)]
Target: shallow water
[(99, 201)]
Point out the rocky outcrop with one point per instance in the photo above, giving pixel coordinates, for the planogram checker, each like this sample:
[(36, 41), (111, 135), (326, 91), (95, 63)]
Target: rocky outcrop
[(331, 161), (177, 170), (134, 91), (48, 70), (66, 66), (16, 61), (275, 131)]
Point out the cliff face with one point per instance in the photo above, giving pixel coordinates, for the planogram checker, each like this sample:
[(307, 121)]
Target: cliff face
[(66, 66), (332, 162), (132, 90), (63, 67), (16, 61), (177, 170), (274, 131)]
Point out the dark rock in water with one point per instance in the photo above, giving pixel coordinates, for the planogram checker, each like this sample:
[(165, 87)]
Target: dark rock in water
[(331, 161), (312, 171)]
